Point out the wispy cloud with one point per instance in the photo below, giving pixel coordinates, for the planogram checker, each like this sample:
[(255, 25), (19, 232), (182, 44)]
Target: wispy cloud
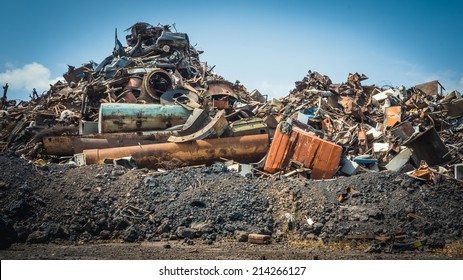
[(27, 77), (410, 74)]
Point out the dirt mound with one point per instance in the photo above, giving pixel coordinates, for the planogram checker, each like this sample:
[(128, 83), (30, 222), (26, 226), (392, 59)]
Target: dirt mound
[(57, 203)]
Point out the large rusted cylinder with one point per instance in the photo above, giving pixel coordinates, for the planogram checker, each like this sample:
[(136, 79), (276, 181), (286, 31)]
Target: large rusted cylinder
[(242, 149), (125, 117)]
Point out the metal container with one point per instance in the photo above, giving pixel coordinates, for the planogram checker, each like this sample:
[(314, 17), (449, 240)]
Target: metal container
[(304, 147), (123, 117)]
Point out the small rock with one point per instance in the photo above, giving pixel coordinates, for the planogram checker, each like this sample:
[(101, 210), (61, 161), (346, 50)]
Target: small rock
[(229, 227), (241, 236), (406, 183), (121, 224), (317, 228), (130, 234), (37, 237), (311, 236), (163, 227), (183, 232), (166, 246), (105, 234)]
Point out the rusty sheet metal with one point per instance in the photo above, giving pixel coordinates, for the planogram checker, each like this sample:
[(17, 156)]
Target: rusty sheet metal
[(392, 115), (120, 117), (423, 172), (321, 156), (428, 146), (454, 108), (430, 88), (242, 149), (216, 127)]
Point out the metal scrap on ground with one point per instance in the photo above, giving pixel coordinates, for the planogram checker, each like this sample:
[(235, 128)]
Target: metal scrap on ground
[(156, 102)]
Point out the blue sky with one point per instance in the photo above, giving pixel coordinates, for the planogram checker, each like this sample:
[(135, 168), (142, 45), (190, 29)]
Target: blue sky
[(266, 45)]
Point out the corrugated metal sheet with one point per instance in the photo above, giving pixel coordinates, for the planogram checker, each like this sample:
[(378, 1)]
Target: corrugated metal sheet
[(321, 156)]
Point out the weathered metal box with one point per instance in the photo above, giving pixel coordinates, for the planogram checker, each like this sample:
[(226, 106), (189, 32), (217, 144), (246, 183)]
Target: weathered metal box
[(300, 145)]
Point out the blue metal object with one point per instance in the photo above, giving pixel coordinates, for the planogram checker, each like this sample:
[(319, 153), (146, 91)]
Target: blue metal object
[(364, 160), (305, 114)]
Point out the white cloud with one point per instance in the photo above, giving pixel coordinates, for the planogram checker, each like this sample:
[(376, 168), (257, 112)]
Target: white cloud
[(24, 79)]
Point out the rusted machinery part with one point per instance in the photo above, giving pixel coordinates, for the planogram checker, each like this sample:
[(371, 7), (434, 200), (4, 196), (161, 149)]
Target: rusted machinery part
[(198, 119), (216, 127), (155, 84), (218, 87)]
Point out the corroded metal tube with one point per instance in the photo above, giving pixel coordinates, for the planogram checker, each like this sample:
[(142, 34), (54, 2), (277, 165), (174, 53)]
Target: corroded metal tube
[(126, 117), (242, 149), (67, 145)]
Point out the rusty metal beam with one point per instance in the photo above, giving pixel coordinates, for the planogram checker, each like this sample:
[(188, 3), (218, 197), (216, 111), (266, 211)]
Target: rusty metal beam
[(242, 149)]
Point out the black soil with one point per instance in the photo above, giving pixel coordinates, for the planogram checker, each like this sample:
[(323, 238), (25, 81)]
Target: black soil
[(66, 204)]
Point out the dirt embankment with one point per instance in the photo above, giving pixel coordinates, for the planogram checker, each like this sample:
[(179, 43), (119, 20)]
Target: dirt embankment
[(65, 204)]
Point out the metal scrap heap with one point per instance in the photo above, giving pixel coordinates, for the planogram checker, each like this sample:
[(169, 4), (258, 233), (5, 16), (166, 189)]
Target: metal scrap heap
[(154, 104)]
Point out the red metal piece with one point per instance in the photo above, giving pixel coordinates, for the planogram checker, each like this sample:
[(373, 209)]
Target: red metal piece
[(321, 156)]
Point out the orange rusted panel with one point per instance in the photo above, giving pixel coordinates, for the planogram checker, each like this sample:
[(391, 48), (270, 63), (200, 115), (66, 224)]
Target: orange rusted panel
[(392, 115), (302, 146)]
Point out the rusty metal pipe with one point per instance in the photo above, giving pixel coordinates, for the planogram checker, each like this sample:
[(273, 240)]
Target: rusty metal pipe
[(242, 149), (69, 145), (126, 117), (81, 144)]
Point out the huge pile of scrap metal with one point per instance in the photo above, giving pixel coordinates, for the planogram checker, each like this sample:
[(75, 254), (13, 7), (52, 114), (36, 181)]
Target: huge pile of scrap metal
[(154, 104), (154, 98), (350, 128)]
